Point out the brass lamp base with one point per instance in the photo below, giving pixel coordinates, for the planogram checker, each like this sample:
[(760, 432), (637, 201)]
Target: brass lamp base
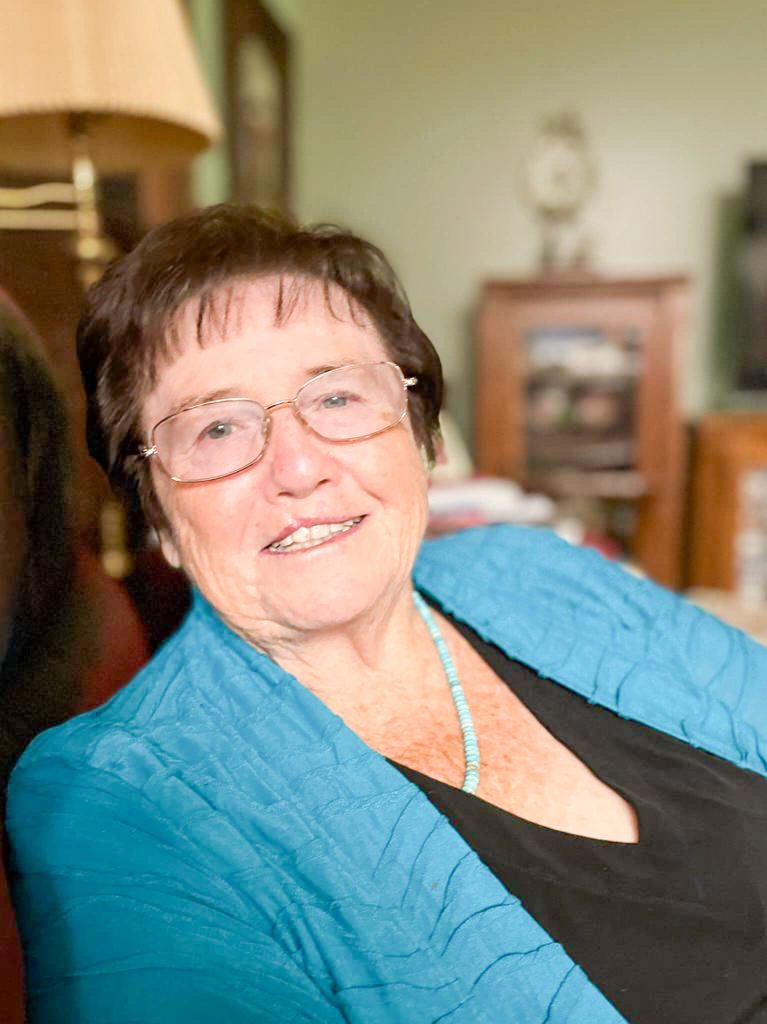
[(76, 208)]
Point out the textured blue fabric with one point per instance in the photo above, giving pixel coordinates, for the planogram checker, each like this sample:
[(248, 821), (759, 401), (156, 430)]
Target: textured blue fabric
[(215, 845)]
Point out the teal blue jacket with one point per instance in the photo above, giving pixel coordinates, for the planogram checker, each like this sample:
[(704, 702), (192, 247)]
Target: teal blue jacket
[(215, 845)]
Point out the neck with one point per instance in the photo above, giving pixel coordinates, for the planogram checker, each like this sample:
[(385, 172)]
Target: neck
[(361, 664)]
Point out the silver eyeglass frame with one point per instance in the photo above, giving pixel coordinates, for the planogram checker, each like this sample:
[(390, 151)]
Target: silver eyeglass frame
[(151, 450)]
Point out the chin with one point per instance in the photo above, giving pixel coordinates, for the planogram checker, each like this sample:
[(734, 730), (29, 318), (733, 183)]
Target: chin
[(312, 605), (323, 607)]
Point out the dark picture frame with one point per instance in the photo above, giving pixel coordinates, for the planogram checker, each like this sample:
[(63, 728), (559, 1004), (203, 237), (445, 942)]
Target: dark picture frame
[(258, 102)]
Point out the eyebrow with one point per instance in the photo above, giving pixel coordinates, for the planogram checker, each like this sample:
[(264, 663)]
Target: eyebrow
[(219, 393), (201, 399), (315, 371)]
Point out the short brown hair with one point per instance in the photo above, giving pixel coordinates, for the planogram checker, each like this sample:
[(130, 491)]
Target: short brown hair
[(127, 327)]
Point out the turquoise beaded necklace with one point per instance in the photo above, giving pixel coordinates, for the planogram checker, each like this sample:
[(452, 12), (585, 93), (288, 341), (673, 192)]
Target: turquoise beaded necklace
[(470, 742)]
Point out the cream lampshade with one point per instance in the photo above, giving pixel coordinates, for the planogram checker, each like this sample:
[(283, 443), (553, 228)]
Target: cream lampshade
[(111, 85), (125, 69)]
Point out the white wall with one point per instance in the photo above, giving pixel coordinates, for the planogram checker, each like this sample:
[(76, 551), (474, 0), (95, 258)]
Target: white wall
[(412, 119)]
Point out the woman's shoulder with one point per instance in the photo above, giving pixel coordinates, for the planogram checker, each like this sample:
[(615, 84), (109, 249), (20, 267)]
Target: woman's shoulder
[(105, 737), (535, 569), (528, 559), (527, 585), (168, 713), (619, 640), (492, 545)]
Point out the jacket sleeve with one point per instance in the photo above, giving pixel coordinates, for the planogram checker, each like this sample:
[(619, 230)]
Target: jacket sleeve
[(124, 921)]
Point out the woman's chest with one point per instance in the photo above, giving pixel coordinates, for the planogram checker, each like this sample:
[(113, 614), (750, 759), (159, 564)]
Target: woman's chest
[(525, 769)]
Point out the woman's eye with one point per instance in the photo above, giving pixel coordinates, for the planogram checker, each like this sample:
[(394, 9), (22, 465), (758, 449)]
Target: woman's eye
[(216, 431), (334, 402), (338, 400)]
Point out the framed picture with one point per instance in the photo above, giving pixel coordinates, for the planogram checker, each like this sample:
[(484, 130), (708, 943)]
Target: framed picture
[(577, 397), (258, 105)]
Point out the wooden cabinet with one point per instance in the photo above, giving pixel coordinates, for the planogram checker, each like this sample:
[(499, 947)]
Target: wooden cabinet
[(577, 396), (728, 536)]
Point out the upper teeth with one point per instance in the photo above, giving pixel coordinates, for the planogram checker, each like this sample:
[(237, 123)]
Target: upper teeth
[(308, 536)]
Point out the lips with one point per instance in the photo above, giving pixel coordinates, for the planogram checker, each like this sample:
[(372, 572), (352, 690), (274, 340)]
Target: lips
[(310, 535)]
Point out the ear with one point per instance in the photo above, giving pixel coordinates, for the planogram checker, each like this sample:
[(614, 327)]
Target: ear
[(169, 549)]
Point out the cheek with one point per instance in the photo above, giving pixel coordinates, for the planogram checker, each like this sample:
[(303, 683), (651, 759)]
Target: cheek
[(211, 521), (404, 479), (206, 521)]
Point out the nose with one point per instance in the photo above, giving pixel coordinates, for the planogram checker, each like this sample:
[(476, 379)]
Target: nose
[(296, 460)]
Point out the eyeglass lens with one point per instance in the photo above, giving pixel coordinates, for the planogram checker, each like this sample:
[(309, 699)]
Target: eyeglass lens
[(222, 437)]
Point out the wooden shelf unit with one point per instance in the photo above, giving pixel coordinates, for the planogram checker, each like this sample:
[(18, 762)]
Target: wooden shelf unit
[(651, 314), (727, 447)]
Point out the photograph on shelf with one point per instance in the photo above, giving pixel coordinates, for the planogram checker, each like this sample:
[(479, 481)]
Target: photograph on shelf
[(581, 396)]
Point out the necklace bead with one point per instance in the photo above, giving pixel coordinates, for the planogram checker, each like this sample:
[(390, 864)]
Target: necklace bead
[(470, 741)]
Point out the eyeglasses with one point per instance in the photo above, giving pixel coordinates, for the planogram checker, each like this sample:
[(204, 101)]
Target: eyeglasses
[(218, 438)]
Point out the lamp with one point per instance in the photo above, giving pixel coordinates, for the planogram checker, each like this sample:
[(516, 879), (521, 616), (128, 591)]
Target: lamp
[(112, 84), (85, 84)]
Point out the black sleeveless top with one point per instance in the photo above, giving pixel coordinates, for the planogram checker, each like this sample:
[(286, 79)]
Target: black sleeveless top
[(671, 929)]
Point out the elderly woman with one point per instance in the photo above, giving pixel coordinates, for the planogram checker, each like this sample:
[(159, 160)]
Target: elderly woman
[(490, 778)]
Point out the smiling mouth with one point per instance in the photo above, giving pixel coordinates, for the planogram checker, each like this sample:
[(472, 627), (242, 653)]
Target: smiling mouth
[(312, 536)]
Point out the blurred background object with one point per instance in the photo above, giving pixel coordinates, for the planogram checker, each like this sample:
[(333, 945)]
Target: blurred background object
[(559, 176), (86, 86), (259, 87), (751, 271), (576, 396)]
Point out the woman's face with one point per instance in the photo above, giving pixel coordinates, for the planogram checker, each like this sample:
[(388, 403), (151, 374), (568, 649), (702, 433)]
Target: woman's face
[(221, 531)]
